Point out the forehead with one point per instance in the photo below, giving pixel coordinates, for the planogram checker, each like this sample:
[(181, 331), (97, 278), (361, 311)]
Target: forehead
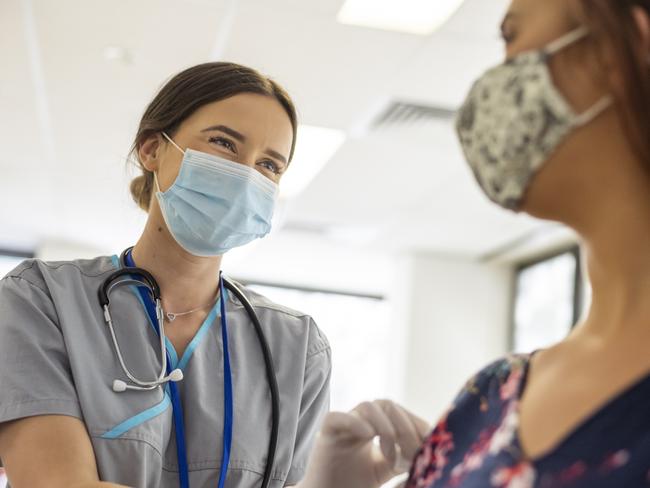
[(541, 21), (260, 118), (245, 107), (561, 12)]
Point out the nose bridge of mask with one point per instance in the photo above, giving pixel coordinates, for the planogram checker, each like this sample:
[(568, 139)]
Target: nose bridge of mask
[(232, 169)]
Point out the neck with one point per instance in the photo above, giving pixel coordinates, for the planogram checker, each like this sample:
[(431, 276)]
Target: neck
[(186, 281), (617, 244)]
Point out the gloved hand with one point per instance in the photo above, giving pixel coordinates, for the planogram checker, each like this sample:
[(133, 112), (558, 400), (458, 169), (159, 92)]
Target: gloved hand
[(346, 456)]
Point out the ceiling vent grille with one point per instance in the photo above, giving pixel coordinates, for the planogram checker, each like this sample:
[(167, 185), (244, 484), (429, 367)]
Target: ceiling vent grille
[(408, 114)]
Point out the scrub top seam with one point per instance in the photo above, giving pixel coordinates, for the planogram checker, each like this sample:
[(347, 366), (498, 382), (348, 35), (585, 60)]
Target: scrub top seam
[(274, 308), (70, 264), (26, 268), (49, 299), (297, 315), (131, 438), (322, 349), (18, 277), (202, 333)]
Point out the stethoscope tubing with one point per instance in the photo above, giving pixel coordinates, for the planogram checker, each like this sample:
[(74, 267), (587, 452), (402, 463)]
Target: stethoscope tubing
[(150, 282)]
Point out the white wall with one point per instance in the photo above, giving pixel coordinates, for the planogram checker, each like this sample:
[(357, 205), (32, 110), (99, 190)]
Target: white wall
[(458, 315), (54, 250), (312, 261)]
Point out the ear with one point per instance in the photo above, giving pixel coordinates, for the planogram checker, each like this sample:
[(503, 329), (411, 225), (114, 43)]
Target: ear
[(150, 151), (642, 21)]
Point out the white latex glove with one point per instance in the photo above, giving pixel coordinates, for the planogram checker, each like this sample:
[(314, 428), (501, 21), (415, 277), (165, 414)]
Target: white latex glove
[(346, 455)]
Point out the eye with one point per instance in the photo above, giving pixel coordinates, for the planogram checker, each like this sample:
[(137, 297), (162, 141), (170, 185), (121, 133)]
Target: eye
[(271, 166), (507, 33), (223, 142)]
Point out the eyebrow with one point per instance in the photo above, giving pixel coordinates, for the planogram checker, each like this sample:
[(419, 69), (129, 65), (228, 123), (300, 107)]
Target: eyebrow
[(242, 138), (227, 130)]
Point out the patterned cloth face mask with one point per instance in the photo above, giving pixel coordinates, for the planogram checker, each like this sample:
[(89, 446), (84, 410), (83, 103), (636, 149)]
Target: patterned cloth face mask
[(216, 205), (514, 118)]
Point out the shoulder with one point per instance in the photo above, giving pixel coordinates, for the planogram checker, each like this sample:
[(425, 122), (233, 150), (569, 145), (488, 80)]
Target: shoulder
[(294, 321), (504, 371), (495, 384), (40, 273), (467, 431)]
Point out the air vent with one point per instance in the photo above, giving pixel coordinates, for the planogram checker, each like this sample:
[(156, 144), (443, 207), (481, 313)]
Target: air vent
[(403, 113)]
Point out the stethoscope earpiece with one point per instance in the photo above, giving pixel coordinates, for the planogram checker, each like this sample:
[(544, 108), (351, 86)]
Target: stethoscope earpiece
[(120, 386), (176, 375)]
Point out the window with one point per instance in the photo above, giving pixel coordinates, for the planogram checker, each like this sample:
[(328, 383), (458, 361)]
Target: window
[(548, 299), (358, 329)]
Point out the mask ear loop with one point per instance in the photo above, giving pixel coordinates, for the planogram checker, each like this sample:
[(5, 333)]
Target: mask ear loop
[(172, 141), (590, 114), (155, 173), (566, 40), (563, 42)]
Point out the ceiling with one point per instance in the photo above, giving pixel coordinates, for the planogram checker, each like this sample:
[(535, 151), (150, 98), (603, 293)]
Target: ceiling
[(67, 115)]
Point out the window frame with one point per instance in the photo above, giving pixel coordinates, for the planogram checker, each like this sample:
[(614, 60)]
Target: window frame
[(578, 285), (16, 253)]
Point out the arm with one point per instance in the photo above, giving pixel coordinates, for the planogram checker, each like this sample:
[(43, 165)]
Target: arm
[(52, 451), (43, 442)]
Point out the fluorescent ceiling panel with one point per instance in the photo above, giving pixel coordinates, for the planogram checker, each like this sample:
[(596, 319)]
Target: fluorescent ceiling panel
[(315, 147), (420, 17)]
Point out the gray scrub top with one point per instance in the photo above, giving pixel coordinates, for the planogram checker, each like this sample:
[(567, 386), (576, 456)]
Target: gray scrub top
[(56, 357)]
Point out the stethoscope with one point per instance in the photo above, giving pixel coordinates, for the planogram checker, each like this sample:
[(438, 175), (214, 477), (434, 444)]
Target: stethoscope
[(149, 292)]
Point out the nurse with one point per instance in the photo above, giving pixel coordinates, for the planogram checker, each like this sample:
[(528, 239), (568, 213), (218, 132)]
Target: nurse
[(213, 146)]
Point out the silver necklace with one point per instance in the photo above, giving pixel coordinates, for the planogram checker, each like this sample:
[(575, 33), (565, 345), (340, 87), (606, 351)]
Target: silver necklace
[(171, 316)]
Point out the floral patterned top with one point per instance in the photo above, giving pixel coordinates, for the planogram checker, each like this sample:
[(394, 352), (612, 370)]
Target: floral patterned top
[(476, 444)]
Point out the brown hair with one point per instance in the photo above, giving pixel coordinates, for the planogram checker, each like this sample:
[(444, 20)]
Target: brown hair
[(188, 91), (614, 21)]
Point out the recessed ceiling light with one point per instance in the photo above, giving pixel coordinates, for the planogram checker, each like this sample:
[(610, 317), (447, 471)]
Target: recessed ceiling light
[(420, 17), (314, 148), (117, 54)]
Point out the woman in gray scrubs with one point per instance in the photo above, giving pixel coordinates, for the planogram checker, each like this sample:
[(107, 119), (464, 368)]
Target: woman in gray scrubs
[(213, 146)]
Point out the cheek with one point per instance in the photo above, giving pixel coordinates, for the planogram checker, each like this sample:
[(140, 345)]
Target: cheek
[(169, 169), (577, 77)]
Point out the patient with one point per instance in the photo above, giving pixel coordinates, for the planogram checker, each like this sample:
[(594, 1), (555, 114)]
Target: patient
[(561, 131)]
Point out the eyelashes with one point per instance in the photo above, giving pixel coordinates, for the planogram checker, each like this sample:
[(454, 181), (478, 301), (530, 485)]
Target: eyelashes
[(230, 146), (222, 141)]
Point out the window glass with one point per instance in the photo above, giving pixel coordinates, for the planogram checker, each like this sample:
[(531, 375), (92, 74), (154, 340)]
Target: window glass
[(358, 331), (545, 302)]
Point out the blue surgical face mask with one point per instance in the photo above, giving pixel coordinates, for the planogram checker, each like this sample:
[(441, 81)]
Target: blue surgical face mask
[(216, 205)]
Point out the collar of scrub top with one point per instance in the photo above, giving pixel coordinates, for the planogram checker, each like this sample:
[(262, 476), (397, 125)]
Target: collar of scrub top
[(177, 406)]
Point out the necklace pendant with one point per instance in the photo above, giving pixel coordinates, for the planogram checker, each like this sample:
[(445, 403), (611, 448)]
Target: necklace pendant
[(171, 317)]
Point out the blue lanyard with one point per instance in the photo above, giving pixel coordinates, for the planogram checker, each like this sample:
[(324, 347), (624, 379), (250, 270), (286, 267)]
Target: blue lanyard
[(177, 406)]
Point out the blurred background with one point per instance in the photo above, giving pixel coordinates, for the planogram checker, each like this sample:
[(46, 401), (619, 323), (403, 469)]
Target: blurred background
[(382, 234)]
